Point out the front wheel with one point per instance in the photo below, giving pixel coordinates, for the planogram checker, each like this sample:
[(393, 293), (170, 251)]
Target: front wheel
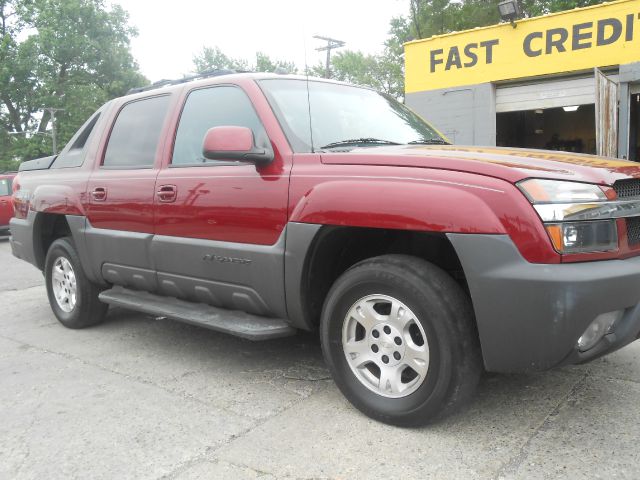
[(73, 298), (399, 339)]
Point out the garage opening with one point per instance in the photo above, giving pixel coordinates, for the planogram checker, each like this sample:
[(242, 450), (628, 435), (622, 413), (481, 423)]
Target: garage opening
[(577, 114), (570, 129), (634, 128)]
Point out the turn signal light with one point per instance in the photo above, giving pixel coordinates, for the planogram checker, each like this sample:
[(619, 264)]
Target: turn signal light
[(581, 237)]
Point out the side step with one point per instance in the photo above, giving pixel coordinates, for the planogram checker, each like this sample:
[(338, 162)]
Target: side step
[(241, 324)]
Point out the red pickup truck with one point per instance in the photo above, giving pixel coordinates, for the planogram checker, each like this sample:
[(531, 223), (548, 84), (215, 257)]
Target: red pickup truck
[(258, 204)]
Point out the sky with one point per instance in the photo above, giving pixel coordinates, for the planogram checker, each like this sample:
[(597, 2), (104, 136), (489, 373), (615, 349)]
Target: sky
[(171, 33)]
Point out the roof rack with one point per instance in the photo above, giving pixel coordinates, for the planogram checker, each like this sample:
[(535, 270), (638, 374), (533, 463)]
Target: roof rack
[(190, 78)]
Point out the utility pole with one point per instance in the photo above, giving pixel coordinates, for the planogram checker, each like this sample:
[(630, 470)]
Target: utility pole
[(54, 138), (332, 44)]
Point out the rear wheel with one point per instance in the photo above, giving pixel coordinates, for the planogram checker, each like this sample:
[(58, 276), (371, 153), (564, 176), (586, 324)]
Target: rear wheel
[(73, 298), (398, 336)]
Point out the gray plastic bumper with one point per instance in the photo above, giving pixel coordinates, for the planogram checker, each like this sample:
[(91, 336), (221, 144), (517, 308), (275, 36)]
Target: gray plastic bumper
[(22, 238), (530, 316)]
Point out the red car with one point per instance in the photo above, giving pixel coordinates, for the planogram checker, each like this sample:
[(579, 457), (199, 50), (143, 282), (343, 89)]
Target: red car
[(260, 204), (6, 206)]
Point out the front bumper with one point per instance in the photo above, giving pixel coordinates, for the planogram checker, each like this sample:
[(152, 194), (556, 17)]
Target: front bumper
[(530, 316)]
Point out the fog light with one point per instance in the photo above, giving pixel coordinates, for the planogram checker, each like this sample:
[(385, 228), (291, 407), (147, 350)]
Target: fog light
[(602, 325)]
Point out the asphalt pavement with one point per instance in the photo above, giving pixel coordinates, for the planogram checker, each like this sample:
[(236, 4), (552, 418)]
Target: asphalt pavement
[(142, 398)]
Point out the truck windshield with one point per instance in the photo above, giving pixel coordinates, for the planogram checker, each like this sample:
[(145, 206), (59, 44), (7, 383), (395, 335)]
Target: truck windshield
[(5, 187), (329, 116)]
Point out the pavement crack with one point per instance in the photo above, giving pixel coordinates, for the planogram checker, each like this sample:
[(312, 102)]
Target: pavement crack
[(29, 287), (209, 453), (516, 460)]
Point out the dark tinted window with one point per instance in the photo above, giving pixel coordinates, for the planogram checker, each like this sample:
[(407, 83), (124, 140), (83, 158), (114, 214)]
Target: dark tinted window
[(134, 138), (81, 141), (208, 108), (73, 155)]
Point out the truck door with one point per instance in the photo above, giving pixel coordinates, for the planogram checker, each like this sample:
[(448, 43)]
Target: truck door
[(219, 235), (121, 195)]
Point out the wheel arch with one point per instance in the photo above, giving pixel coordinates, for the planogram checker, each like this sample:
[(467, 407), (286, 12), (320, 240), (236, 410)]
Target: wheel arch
[(47, 228), (331, 250)]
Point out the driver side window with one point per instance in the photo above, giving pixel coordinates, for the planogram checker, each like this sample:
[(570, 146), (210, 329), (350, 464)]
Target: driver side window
[(207, 108)]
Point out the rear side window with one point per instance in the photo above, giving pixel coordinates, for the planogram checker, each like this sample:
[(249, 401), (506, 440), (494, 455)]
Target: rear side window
[(134, 138), (73, 155), (81, 141), (5, 187), (208, 108)]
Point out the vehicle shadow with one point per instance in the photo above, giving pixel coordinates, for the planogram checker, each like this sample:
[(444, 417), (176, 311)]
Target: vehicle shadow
[(184, 354)]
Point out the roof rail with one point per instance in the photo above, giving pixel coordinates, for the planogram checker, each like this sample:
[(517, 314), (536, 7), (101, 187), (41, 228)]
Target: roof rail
[(190, 78)]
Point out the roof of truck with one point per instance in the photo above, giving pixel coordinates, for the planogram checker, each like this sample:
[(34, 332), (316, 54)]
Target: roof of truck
[(170, 85)]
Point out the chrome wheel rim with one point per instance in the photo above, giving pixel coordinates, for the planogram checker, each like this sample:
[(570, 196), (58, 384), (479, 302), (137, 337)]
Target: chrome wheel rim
[(63, 280), (385, 346)]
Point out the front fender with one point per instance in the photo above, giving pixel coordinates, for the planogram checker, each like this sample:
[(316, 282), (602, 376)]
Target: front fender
[(417, 205)]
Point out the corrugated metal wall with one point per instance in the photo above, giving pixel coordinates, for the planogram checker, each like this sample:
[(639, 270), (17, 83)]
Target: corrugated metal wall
[(466, 115)]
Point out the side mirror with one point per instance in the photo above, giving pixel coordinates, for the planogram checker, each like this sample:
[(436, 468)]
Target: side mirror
[(235, 143)]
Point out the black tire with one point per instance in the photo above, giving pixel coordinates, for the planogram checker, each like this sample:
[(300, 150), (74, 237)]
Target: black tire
[(88, 310), (444, 311)]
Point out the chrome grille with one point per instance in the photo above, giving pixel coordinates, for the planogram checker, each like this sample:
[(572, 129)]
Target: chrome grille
[(633, 230), (627, 188)]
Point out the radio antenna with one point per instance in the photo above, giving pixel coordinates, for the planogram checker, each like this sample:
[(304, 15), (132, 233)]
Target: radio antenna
[(306, 72)]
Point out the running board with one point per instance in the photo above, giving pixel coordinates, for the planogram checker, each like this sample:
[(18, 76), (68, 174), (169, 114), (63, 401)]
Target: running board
[(241, 324)]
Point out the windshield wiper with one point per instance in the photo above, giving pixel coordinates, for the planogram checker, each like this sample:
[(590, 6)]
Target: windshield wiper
[(359, 141), (431, 141)]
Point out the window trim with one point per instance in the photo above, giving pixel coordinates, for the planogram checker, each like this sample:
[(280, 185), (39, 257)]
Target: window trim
[(210, 163), (102, 166)]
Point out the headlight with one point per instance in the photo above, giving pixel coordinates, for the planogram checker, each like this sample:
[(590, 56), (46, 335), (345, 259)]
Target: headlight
[(577, 216), (554, 191)]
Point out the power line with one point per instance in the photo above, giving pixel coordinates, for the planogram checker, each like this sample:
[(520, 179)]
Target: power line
[(332, 44)]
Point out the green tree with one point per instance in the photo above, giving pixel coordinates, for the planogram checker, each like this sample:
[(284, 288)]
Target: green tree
[(69, 54), (382, 72), (265, 64), (436, 17), (213, 58)]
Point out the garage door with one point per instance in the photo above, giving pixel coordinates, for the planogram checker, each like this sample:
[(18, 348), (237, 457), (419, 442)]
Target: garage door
[(549, 94)]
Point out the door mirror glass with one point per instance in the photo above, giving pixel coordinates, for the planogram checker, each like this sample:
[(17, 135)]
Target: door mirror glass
[(235, 143)]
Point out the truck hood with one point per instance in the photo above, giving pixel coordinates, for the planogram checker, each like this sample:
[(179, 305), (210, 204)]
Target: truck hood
[(508, 164)]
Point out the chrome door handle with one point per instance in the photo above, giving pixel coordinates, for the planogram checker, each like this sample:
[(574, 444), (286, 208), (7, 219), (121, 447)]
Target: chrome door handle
[(99, 194), (167, 193)]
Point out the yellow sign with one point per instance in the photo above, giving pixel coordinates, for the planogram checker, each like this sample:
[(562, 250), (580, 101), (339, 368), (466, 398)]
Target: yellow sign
[(580, 39)]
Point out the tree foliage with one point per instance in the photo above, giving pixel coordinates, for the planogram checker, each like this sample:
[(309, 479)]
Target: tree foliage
[(213, 58), (69, 54), (436, 17), (381, 72)]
